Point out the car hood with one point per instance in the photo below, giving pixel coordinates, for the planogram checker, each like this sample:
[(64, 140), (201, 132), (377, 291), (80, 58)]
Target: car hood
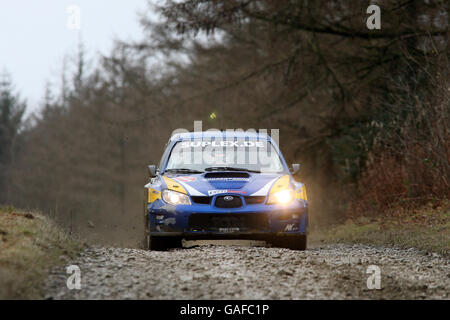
[(212, 183)]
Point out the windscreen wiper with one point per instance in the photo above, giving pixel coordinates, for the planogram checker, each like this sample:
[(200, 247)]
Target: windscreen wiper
[(230, 169), (183, 170)]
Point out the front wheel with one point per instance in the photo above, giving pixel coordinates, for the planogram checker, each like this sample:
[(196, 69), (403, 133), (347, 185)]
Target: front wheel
[(294, 242), (162, 243)]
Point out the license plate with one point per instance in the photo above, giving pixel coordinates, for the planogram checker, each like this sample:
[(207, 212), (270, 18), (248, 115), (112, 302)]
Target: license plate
[(228, 230)]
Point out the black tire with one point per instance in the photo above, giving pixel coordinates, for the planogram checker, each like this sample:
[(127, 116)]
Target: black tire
[(145, 241), (293, 242), (162, 243), (158, 243), (155, 243)]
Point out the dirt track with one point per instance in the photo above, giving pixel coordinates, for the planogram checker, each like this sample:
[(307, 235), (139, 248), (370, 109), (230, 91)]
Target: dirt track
[(243, 272)]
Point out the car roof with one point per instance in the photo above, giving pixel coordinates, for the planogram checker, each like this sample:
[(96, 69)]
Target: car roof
[(220, 134)]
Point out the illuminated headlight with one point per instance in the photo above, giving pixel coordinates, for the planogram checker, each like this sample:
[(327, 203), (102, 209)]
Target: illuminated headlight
[(281, 197), (173, 197)]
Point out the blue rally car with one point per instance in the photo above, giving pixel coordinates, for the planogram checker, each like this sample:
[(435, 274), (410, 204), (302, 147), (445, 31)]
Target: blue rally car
[(222, 185)]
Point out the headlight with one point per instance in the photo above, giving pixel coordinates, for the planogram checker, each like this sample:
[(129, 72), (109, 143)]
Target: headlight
[(281, 197), (173, 197)]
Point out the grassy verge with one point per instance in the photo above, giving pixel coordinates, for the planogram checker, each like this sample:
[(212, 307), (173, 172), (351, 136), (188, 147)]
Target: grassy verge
[(30, 244), (427, 228)]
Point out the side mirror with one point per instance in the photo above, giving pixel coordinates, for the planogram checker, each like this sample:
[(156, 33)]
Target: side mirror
[(152, 170), (295, 168)]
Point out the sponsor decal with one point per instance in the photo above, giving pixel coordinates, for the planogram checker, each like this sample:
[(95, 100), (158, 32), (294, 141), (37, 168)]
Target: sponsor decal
[(186, 178), (290, 227), (169, 221), (237, 191), (214, 192)]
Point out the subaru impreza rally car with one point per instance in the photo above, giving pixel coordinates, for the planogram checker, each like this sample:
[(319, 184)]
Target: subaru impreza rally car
[(222, 185)]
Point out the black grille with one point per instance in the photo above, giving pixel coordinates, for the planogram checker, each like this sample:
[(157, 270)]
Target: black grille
[(254, 199), (233, 202), (233, 221), (201, 200), (212, 175)]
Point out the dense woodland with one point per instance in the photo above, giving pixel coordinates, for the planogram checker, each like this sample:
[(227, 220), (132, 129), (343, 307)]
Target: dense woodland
[(366, 112)]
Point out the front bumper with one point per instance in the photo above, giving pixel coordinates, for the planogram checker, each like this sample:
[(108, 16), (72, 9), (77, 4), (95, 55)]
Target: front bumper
[(204, 221)]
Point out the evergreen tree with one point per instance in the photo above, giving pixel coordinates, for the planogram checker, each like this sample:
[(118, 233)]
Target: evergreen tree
[(11, 115)]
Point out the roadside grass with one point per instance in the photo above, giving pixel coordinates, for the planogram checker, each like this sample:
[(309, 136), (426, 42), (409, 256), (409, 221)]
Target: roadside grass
[(30, 244), (427, 228)]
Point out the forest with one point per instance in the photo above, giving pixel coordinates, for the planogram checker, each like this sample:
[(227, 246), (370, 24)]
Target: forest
[(365, 112)]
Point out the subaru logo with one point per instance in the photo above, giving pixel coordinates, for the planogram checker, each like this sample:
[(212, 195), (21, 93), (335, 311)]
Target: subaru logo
[(228, 198)]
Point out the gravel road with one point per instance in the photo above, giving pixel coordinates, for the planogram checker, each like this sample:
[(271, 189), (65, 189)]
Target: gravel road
[(252, 272)]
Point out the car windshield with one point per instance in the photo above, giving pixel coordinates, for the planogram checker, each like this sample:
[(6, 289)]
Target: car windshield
[(196, 156)]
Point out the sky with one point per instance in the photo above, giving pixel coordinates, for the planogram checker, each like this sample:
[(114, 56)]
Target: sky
[(36, 35)]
